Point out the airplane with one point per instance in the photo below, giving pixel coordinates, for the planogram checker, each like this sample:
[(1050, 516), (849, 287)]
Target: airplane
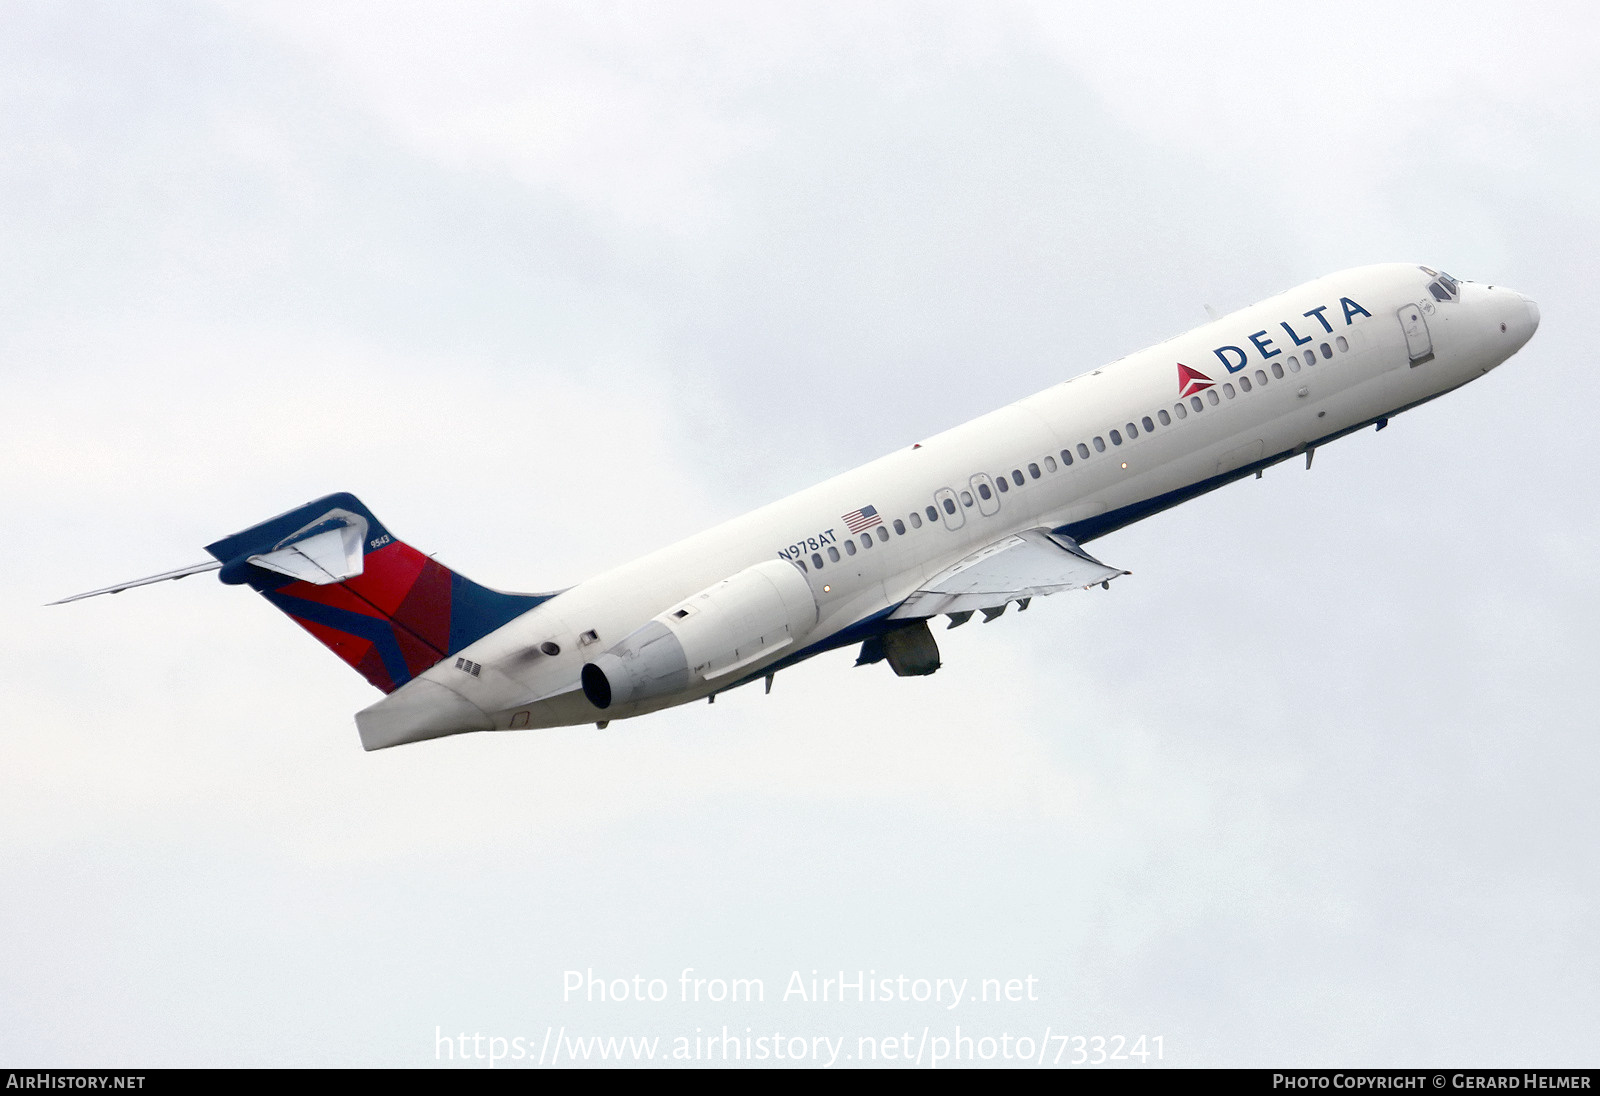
[(990, 513)]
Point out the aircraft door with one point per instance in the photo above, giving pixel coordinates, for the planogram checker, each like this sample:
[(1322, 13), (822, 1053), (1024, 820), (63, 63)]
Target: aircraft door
[(950, 511), (988, 497), (1419, 344)]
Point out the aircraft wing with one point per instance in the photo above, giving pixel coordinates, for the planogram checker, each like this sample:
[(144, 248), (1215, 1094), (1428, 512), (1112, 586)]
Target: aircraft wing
[(1025, 565)]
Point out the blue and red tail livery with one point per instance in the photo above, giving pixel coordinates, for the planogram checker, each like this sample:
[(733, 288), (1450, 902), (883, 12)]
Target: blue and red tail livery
[(376, 602)]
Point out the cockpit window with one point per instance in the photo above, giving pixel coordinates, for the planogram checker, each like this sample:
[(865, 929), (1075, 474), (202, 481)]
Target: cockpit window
[(1444, 288), (1429, 271)]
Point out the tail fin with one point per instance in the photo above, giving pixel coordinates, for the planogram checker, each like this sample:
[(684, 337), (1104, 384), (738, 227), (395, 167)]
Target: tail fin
[(376, 602)]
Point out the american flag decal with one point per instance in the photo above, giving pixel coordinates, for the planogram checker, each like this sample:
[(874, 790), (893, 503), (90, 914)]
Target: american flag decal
[(864, 518)]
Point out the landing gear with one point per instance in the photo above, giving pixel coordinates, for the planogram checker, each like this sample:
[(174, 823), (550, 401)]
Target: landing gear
[(910, 650)]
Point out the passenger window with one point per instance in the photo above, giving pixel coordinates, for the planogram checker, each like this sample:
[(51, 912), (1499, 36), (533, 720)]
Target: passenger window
[(1294, 364), (1083, 450), (1133, 431), (1033, 470), (1165, 419), (1277, 370), (1182, 411), (984, 493), (1211, 396), (849, 547), (1342, 343), (1149, 427), (1099, 444), (1327, 351), (966, 499), (1116, 437), (1066, 458), (1016, 474), (1227, 390), (899, 528), (1244, 383), (816, 560), (1194, 401), (866, 540), (949, 506), (833, 554), (1002, 483), (883, 534), (1050, 463), (916, 520), (1261, 378), (933, 515), (800, 563)]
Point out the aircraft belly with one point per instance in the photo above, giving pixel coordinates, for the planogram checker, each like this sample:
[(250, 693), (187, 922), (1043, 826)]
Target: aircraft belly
[(859, 605), (568, 709)]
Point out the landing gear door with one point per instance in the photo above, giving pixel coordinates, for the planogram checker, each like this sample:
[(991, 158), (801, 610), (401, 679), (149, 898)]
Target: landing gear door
[(1419, 345)]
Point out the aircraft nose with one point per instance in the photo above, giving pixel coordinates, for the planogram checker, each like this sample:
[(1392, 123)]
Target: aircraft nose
[(1523, 316), (1517, 317)]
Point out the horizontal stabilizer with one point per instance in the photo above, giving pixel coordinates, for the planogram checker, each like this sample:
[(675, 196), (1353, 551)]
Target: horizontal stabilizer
[(1029, 564), (165, 576)]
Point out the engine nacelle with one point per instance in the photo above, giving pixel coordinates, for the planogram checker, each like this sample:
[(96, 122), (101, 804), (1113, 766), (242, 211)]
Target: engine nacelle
[(736, 623)]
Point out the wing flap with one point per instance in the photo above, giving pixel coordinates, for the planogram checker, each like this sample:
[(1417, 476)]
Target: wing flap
[(1033, 563)]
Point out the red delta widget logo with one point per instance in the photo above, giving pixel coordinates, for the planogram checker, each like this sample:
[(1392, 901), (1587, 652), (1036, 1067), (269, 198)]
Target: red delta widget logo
[(1191, 381)]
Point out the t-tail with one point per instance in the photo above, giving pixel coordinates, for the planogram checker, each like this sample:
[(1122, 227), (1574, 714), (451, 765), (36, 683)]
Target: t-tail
[(372, 599)]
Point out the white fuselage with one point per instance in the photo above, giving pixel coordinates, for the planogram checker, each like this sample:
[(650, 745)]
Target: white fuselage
[(1334, 354)]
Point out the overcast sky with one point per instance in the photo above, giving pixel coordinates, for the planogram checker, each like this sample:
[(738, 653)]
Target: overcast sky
[(550, 285)]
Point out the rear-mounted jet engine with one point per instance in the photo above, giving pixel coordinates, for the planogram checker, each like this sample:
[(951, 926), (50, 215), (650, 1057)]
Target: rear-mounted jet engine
[(706, 638)]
